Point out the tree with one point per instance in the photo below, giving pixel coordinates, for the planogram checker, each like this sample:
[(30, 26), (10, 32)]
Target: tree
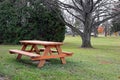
[(20, 19), (48, 25), (116, 20), (85, 12), (115, 27)]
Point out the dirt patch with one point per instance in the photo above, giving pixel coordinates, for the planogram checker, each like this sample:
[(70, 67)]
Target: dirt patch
[(105, 62), (102, 60), (2, 77), (119, 77)]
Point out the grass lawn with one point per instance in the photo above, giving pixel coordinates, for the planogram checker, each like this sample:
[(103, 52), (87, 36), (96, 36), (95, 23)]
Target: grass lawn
[(100, 63)]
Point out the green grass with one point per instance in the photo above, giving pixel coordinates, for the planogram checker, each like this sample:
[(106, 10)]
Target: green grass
[(100, 63)]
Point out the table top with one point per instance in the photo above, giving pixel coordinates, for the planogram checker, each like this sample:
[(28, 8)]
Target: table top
[(40, 42)]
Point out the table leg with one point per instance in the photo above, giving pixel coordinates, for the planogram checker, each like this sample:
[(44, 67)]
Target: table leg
[(20, 55), (59, 50), (32, 48), (35, 48), (42, 62)]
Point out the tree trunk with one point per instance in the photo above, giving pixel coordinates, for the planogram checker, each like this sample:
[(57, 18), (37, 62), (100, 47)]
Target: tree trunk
[(86, 36), (95, 32), (86, 41), (106, 31)]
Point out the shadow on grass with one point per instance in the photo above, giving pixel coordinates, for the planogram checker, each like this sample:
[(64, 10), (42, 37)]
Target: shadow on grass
[(50, 62)]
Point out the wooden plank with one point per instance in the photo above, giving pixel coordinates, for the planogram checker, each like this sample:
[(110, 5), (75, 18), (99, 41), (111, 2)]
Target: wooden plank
[(64, 54), (49, 57), (24, 53), (40, 42), (68, 53)]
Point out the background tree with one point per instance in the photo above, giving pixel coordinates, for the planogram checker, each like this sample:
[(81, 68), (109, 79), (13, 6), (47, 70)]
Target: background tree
[(116, 20), (86, 9), (107, 27), (115, 27)]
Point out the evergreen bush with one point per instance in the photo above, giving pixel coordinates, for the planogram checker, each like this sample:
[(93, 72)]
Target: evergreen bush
[(19, 22)]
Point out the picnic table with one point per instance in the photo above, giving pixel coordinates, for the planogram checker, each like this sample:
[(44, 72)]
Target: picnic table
[(48, 51)]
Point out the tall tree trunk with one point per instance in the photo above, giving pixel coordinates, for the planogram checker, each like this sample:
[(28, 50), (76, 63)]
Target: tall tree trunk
[(86, 41), (86, 36)]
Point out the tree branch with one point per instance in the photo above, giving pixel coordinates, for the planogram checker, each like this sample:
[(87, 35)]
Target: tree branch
[(98, 23), (74, 15)]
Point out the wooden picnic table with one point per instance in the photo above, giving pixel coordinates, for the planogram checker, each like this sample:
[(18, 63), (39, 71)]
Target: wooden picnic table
[(49, 50)]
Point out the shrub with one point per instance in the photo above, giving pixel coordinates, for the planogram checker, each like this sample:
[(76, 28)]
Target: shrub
[(29, 22)]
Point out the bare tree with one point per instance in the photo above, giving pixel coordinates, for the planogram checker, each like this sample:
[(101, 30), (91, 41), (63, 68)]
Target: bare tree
[(85, 12)]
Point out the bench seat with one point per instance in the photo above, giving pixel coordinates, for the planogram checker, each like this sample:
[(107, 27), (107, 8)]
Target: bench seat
[(24, 53), (38, 57)]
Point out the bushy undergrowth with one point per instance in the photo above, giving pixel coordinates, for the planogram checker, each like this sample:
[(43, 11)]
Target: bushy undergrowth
[(19, 21)]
